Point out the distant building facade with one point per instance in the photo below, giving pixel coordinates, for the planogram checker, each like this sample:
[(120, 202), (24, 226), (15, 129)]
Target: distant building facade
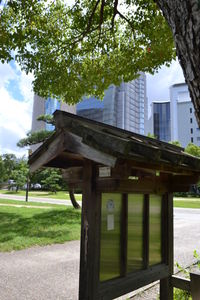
[(124, 106), (47, 106), (175, 116), (43, 106), (184, 127), (161, 120)]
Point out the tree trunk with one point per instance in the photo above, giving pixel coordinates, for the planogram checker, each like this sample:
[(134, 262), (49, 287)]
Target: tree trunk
[(183, 17), (73, 199)]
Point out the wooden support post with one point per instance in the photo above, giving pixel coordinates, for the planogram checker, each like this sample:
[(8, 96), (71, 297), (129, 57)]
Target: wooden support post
[(27, 187), (90, 235), (166, 287), (195, 286)]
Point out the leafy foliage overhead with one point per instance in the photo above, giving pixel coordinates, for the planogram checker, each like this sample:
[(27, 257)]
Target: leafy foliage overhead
[(81, 49)]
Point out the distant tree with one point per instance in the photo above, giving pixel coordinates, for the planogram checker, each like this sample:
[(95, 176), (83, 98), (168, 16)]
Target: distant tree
[(51, 181), (19, 177), (193, 149), (34, 138), (37, 136), (19, 173), (7, 165), (151, 135), (176, 143), (1, 170)]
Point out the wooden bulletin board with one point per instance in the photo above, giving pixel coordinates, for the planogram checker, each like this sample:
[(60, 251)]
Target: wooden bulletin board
[(126, 238)]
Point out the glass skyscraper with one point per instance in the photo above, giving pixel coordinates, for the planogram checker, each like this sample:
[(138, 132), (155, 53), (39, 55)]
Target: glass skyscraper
[(161, 121), (124, 106), (50, 106), (91, 108)]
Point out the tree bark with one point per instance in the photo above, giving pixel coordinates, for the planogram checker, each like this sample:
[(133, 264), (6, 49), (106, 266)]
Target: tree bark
[(73, 199), (183, 17)]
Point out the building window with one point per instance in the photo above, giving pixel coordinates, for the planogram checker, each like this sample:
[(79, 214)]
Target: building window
[(192, 139), (190, 120), (198, 138), (190, 110), (191, 130)]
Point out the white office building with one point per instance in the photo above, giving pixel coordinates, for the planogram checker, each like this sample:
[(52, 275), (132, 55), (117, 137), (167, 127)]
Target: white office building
[(184, 127)]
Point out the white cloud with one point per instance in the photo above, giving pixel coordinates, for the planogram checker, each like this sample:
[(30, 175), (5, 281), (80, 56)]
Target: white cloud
[(15, 121), (158, 85), (25, 86), (6, 73), (15, 116)]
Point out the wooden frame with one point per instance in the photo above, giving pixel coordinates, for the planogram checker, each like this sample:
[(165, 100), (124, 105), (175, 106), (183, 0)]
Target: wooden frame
[(90, 285), (90, 235)]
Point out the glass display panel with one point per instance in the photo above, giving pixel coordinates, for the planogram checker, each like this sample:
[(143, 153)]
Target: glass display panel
[(110, 236), (155, 207), (135, 232)]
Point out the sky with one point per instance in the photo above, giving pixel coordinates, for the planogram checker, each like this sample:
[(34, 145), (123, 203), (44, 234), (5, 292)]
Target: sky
[(16, 101)]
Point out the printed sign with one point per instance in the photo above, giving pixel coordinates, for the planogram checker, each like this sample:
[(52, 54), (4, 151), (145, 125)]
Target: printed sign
[(110, 222), (104, 172)]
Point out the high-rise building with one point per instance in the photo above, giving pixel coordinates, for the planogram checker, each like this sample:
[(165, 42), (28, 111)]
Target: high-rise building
[(47, 106), (184, 127), (175, 120), (43, 106), (124, 106), (161, 120)]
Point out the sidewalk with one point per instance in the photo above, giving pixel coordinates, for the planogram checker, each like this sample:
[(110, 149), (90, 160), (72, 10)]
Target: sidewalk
[(38, 199)]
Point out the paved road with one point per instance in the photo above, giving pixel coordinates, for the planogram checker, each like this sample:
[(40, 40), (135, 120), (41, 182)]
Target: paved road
[(186, 234), (51, 272), (40, 200)]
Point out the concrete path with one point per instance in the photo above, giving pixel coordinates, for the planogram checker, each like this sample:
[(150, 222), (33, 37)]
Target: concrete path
[(51, 273), (40, 200), (40, 273)]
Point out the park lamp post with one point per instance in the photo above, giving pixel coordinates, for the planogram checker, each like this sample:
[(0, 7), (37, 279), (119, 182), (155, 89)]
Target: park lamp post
[(28, 179)]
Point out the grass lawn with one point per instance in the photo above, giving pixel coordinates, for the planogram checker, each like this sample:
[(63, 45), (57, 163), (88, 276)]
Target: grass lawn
[(24, 203), (23, 227), (187, 202), (59, 195)]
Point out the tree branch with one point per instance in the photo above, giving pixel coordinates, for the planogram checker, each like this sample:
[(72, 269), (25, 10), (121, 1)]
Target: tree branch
[(101, 14), (125, 18), (114, 13), (87, 31), (91, 16)]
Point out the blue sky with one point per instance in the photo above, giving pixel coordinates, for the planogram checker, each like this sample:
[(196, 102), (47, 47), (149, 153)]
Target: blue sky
[(16, 98)]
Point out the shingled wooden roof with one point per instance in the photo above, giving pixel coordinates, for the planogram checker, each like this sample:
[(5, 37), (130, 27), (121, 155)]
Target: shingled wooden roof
[(77, 138)]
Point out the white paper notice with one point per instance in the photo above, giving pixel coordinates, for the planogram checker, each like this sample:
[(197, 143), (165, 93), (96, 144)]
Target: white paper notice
[(110, 222)]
